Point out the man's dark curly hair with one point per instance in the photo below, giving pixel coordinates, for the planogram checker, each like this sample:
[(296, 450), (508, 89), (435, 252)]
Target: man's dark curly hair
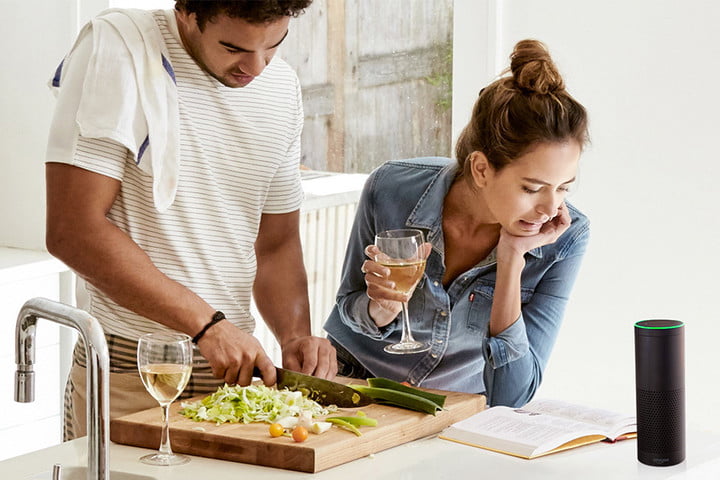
[(252, 11)]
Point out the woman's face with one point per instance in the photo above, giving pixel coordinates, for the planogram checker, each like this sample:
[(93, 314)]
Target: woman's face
[(528, 192)]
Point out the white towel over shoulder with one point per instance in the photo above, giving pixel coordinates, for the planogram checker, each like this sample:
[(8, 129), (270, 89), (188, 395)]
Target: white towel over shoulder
[(117, 83)]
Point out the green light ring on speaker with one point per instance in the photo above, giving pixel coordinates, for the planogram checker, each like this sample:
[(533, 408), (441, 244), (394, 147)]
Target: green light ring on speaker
[(676, 324)]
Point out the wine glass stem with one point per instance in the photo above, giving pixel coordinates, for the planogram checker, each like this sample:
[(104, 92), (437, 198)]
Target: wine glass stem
[(165, 438), (406, 333)]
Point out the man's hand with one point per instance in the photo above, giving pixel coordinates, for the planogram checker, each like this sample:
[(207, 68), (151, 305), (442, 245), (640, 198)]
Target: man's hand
[(310, 355), (233, 353)]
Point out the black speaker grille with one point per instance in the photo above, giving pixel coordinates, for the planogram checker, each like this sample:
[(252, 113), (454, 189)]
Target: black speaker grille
[(661, 420)]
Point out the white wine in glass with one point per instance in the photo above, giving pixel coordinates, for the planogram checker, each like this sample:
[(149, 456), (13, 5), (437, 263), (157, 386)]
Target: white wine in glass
[(400, 251), (165, 364)]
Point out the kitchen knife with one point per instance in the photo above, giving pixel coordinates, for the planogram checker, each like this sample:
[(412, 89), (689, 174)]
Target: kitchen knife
[(325, 392)]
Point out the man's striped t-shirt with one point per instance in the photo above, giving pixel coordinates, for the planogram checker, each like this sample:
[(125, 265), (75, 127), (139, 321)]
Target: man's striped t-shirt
[(240, 152)]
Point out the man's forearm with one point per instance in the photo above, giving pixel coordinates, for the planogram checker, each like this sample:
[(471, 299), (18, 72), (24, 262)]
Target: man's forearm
[(79, 233), (280, 289), (281, 293), (112, 262)]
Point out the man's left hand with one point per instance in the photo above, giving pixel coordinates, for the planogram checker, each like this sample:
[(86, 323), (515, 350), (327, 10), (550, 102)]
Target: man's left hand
[(310, 355)]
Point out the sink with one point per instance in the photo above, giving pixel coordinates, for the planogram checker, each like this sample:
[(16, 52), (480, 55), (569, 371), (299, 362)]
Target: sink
[(80, 473)]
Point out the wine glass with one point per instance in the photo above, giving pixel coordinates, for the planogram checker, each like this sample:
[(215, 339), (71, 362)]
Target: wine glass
[(165, 364), (400, 252)]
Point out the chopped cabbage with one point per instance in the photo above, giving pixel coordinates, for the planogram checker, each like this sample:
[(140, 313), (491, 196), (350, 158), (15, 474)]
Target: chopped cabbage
[(320, 427), (254, 403)]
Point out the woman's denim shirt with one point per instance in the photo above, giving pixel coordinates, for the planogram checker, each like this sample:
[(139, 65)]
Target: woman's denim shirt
[(508, 367)]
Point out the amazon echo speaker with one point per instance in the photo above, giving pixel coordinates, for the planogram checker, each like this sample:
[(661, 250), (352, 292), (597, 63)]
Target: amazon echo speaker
[(660, 391)]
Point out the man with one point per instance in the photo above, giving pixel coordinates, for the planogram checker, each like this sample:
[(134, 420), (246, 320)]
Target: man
[(173, 191)]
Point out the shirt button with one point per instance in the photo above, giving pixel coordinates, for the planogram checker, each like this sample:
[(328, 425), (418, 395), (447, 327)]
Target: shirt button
[(433, 355), (436, 283), (438, 341), (443, 313)]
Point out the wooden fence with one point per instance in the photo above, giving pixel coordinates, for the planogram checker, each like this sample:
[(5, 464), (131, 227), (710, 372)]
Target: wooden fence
[(376, 77)]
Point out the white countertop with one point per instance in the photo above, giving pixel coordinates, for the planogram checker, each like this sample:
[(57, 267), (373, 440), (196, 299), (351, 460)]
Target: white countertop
[(17, 264), (429, 458)]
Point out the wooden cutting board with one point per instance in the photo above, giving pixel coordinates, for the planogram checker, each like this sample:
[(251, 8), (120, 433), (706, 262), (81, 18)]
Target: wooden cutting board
[(251, 443)]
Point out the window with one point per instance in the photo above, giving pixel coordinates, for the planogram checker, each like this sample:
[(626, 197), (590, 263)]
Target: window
[(377, 81)]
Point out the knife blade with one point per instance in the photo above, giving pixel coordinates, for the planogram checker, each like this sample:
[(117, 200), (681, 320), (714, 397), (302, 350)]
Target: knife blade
[(325, 392)]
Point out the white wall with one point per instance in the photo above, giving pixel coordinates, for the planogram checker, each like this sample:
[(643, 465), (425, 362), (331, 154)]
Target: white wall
[(473, 63), (35, 40), (37, 35), (647, 72)]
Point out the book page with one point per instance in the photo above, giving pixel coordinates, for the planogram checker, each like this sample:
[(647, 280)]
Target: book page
[(519, 431), (609, 423)]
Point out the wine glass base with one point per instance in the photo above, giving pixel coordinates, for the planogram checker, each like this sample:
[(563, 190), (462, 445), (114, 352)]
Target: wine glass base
[(163, 459), (407, 347)]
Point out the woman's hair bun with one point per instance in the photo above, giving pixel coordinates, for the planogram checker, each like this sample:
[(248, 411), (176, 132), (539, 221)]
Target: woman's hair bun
[(533, 69)]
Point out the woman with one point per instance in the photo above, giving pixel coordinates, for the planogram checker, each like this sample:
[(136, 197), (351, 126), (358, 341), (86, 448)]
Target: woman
[(506, 246)]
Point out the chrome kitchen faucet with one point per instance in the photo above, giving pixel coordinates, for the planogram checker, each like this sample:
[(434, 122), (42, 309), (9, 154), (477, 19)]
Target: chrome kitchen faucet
[(91, 333)]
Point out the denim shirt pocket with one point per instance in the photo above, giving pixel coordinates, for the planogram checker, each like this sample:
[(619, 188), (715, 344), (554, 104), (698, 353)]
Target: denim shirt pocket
[(480, 299)]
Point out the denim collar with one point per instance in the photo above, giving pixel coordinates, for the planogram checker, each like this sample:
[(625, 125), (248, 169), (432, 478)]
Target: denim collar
[(427, 213)]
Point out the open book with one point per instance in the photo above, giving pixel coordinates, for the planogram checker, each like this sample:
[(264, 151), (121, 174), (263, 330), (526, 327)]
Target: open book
[(541, 427)]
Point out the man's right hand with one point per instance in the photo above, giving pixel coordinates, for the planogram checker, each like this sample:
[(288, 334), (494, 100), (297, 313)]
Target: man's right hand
[(232, 354)]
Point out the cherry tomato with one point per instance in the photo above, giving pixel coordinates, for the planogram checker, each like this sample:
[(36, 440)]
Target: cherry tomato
[(276, 430), (300, 434)]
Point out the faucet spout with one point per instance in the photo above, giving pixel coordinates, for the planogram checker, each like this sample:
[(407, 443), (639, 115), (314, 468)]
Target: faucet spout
[(98, 417)]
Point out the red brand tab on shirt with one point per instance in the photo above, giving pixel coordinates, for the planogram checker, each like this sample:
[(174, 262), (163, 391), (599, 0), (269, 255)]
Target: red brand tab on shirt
[(471, 297)]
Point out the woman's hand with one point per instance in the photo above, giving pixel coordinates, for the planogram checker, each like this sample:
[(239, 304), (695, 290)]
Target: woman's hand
[(548, 234), (511, 250), (385, 301)]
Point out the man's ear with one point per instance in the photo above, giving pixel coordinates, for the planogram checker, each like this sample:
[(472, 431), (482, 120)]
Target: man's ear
[(480, 168), (186, 21)]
